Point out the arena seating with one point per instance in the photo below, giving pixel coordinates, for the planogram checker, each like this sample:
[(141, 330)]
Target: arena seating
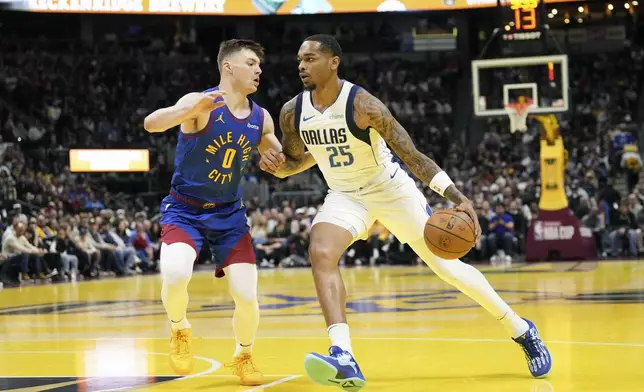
[(53, 96)]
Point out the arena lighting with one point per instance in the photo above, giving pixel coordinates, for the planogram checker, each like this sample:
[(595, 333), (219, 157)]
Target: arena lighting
[(580, 20), (554, 11), (580, 9), (610, 7), (109, 160), (566, 21), (636, 3), (507, 28), (551, 16), (627, 6)]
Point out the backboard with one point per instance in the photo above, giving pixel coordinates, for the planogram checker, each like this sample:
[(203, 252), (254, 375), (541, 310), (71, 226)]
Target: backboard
[(499, 82)]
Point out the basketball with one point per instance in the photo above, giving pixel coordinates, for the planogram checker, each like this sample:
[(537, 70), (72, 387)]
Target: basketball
[(449, 234)]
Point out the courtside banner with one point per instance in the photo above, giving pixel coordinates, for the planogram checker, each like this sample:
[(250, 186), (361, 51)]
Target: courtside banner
[(107, 160), (242, 7)]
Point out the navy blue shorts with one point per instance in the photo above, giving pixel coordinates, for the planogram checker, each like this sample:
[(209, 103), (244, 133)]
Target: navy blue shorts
[(225, 229)]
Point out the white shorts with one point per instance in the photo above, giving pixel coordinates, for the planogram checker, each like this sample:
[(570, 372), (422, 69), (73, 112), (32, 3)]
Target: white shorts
[(391, 198)]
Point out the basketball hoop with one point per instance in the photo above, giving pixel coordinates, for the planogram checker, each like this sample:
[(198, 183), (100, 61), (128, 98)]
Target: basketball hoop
[(518, 113)]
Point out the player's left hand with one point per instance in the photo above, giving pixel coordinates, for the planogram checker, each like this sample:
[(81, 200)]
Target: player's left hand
[(468, 208), (271, 160)]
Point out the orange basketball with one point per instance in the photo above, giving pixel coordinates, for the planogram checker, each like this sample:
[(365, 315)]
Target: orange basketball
[(449, 234)]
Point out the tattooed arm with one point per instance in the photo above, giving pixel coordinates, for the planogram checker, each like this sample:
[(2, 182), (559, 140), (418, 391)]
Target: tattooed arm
[(369, 111), (289, 157)]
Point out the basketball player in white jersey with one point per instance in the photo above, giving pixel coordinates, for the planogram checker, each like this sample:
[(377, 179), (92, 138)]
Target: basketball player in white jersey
[(348, 131)]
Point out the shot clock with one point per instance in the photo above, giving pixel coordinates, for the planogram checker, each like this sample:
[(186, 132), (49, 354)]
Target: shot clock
[(521, 19)]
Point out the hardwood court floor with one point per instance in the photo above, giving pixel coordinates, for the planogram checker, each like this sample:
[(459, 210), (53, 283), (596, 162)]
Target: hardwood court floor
[(411, 332)]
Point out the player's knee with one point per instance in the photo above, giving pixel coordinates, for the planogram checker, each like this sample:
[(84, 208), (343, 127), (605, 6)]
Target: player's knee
[(177, 261), (244, 293), (245, 298), (323, 254), (242, 282)]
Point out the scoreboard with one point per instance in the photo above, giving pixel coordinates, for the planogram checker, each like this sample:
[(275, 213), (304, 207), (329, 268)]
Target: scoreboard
[(521, 19)]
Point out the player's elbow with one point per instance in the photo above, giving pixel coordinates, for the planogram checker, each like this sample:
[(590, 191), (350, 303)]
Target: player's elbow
[(150, 125)]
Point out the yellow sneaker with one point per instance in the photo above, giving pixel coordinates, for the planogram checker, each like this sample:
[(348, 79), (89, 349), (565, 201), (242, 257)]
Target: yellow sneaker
[(181, 359), (245, 369)]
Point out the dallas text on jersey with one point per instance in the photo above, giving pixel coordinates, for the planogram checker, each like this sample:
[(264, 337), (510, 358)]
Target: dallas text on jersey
[(324, 136)]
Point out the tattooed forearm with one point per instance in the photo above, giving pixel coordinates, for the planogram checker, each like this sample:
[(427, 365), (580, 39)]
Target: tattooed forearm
[(378, 116), (297, 158), (454, 195), (292, 144)]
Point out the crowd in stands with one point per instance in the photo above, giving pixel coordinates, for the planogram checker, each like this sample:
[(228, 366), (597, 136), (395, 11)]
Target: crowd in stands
[(60, 225)]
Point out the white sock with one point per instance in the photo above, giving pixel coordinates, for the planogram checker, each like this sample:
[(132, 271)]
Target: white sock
[(339, 335), (181, 324), (243, 349), (472, 283), (515, 325)]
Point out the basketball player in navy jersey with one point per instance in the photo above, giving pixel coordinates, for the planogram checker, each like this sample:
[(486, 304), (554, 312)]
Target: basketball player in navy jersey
[(219, 129), (349, 132)]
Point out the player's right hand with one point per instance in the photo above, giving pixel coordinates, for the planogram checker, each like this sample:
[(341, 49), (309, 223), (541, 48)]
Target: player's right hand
[(206, 102), (271, 160)]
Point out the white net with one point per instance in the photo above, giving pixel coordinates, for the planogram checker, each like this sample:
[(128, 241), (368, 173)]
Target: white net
[(518, 113)]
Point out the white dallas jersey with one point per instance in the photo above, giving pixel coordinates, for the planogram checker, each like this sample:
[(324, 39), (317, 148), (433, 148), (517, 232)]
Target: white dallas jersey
[(349, 157)]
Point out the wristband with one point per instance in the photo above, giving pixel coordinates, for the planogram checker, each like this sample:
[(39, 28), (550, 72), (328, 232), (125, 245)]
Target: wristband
[(440, 183)]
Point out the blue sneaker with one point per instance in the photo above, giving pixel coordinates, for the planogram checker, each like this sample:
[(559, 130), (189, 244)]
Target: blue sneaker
[(339, 368), (536, 353)]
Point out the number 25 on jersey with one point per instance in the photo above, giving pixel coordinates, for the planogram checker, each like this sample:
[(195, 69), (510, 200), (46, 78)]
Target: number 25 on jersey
[(340, 156)]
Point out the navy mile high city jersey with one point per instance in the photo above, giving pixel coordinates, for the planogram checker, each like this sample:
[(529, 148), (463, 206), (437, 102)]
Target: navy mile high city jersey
[(209, 164)]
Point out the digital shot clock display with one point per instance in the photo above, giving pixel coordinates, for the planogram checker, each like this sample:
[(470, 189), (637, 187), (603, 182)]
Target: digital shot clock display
[(522, 19)]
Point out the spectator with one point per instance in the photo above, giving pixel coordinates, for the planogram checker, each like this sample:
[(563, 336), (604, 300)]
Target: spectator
[(479, 251), (7, 185), (50, 261), (298, 244), (143, 247), (67, 250), (520, 221), (501, 235), (595, 221), (124, 252), (623, 231), (111, 258), (8, 262), (43, 231), (634, 204), (92, 256), (18, 249)]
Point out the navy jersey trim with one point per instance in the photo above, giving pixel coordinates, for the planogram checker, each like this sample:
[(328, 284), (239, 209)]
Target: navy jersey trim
[(334, 101), (253, 109), (356, 131), (261, 124), (298, 111)]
